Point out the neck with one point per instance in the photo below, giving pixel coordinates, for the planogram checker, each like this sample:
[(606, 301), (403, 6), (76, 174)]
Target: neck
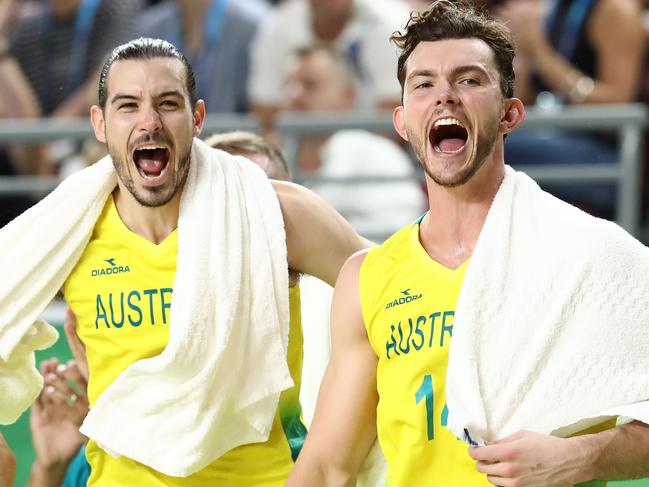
[(452, 226), (192, 14), (152, 223)]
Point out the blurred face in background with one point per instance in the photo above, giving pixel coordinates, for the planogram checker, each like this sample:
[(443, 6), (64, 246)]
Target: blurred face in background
[(64, 9), (333, 8), (314, 82)]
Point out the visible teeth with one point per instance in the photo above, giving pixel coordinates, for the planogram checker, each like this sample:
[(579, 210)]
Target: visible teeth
[(151, 147), (448, 121)]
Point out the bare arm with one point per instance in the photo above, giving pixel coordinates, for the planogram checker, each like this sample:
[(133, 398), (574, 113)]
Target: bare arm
[(344, 425), (533, 459), (7, 464), (615, 27), (319, 240)]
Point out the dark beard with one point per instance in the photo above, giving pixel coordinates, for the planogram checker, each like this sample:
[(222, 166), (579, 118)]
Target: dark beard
[(126, 179), (485, 146)]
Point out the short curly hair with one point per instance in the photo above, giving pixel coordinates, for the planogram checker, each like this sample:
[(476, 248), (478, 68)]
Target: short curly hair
[(457, 19)]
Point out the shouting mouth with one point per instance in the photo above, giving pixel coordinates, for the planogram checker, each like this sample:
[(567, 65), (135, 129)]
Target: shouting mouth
[(448, 136), (151, 162)]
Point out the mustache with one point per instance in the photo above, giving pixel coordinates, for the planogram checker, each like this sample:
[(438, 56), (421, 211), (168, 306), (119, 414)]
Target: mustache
[(149, 139)]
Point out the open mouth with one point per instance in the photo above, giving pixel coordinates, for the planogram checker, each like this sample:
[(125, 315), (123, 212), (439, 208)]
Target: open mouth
[(448, 136), (151, 161)]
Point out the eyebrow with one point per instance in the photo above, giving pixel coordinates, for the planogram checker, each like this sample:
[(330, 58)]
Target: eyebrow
[(123, 96), (454, 72)]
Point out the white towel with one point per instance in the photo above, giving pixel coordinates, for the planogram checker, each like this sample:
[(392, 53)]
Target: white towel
[(217, 383), (551, 330), (39, 249)]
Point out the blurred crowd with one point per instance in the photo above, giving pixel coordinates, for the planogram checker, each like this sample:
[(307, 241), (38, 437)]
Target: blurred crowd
[(318, 56), (263, 57)]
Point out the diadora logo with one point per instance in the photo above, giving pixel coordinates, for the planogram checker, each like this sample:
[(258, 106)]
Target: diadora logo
[(406, 298), (113, 269)]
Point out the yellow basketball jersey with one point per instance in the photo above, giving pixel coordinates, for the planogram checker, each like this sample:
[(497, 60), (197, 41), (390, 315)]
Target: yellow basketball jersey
[(121, 291), (408, 303)]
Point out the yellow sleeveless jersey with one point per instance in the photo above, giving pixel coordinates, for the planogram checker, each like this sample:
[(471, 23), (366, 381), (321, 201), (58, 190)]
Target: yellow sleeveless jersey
[(408, 304), (121, 291)]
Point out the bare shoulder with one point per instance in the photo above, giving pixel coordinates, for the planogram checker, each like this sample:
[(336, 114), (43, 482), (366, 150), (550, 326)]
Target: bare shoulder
[(611, 12)]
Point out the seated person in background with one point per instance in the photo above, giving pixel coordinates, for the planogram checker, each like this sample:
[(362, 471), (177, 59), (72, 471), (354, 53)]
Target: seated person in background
[(17, 100), (61, 44), (359, 29), (215, 35), (320, 80), (574, 52)]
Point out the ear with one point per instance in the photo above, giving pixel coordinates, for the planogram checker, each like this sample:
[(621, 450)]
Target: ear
[(513, 116), (398, 120), (98, 123), (199, 117)]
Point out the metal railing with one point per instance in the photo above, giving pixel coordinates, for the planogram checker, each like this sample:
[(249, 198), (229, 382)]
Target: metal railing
[(628, 121)]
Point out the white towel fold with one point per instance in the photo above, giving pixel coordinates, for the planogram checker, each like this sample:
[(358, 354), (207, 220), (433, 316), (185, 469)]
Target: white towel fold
[(217, 383), (551, 330), (39, 249)]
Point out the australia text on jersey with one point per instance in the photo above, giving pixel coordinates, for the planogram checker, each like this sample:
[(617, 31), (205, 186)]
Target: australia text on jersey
[(134, 307), (412, 334)]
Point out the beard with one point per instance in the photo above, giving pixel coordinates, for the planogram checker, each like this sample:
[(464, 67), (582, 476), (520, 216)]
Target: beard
[(484, 147), (150, 197)]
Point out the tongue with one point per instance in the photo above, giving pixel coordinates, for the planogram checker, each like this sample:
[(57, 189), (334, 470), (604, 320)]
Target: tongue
[(151, 162), (450, 145), (150, 167)]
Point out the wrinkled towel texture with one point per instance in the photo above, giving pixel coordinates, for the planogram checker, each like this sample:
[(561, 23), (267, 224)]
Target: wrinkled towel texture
[(180, 410), (551, 331)]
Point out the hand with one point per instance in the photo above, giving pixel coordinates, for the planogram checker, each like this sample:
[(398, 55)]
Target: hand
[(527, 459), (525, 20), (57, 414), (7, 464), (77, 347)]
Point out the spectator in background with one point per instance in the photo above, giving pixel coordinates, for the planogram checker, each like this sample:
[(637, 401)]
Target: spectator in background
[(7, 464), (215, 35), (55, 418), (575, 52), (17, 100), (61, 46), (253, 147), (321, 80), (358, 28)]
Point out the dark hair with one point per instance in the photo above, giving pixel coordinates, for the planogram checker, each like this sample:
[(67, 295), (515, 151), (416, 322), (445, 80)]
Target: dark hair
[(146, 48), (457, 19), (240, 142)]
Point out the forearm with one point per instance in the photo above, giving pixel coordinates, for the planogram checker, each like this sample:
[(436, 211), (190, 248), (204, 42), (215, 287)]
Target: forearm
[(46, 476), (307, 474), (620, 453)]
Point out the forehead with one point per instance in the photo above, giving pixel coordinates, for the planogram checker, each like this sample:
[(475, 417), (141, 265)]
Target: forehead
[(140, 76), (445, 55)]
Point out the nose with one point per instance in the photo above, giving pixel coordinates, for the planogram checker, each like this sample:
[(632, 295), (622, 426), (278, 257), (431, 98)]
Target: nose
[(446, 94), (150, 119)]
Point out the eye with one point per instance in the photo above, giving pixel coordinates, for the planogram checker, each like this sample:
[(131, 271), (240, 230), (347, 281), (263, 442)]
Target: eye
[(128, 106), (469, 82), (169, 104), (423, 84)]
